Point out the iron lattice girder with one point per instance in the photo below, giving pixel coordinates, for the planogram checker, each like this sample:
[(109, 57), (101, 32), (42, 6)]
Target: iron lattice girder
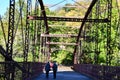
[(11, 28), (63, 43), (26, 42), (69, 19)]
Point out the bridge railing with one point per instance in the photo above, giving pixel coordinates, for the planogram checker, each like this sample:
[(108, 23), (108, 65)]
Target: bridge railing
[(99, 72), (33, 68)]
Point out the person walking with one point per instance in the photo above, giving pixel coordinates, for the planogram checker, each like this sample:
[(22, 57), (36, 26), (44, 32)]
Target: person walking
[(55, 66), (47, 69)]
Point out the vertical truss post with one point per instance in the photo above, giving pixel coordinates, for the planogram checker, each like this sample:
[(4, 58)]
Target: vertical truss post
[(39, 38), (38, 41), (38, 24), (11, 28), (42, 50), (80, 51), (36, 36), (26, 44), (109, 48), (34, 40), (10, 67)]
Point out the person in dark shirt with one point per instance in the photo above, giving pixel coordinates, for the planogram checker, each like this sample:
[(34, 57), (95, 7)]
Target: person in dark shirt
[(47, 69), (55, 67)]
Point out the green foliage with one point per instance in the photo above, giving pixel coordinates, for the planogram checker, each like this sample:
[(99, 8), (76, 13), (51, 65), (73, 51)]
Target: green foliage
[(62, 57), (102, 59)]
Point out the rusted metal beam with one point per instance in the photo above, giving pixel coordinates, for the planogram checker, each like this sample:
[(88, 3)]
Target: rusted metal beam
[(81, 28), (45, 23), (63, 43), (58, 35), (44, 16), (62, 35), (68, 19), (26, 40), (11, 28), (9, 45)]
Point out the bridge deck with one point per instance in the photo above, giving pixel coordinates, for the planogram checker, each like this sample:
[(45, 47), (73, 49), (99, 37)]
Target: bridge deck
[(64, 73)]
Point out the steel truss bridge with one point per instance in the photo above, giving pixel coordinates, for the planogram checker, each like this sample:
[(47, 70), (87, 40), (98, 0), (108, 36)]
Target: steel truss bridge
[(36, 40)]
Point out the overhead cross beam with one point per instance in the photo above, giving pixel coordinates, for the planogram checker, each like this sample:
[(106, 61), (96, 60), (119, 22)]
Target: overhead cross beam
[(68, 19), (61, 43), (62, 35), (58, 35)]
